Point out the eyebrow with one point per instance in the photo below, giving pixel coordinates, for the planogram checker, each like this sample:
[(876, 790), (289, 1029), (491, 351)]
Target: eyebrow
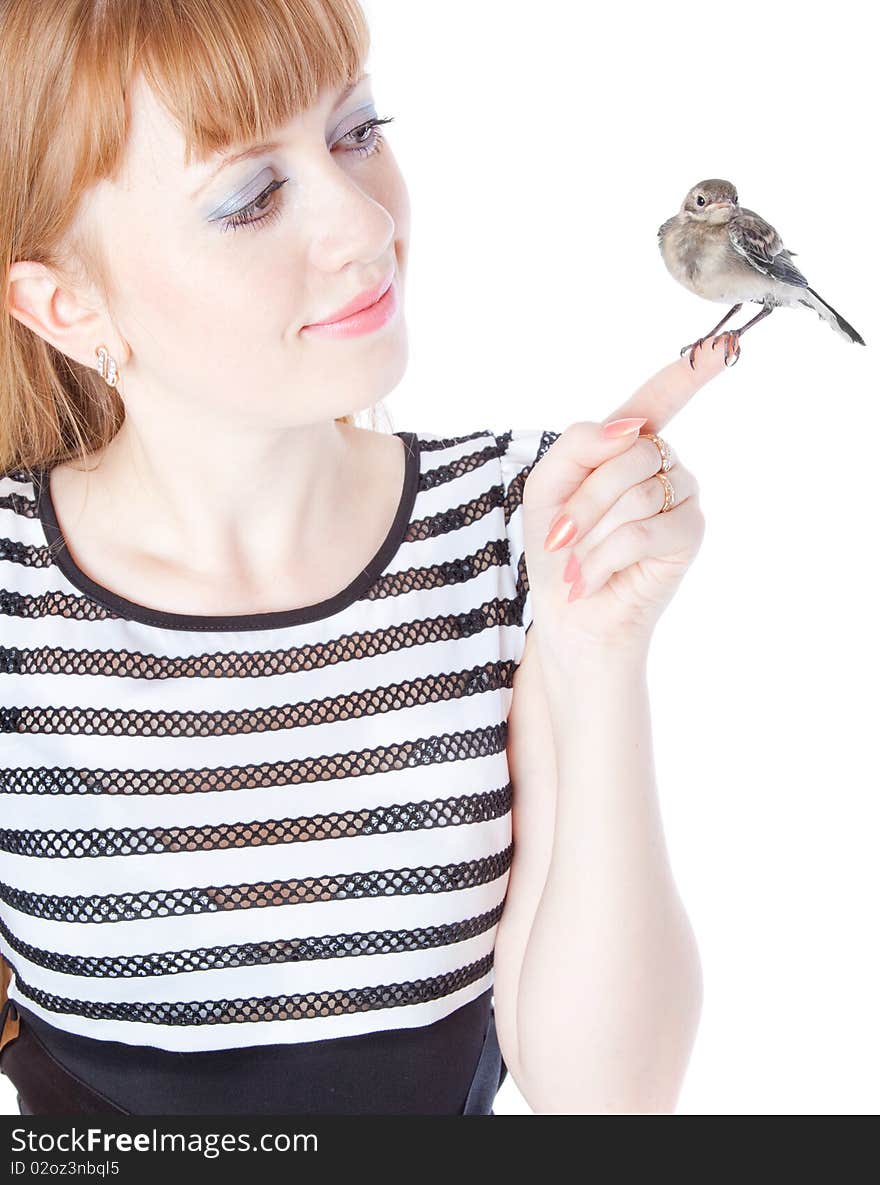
[(269, 146)]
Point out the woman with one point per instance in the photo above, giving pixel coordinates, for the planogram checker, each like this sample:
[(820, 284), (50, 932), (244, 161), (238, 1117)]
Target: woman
[(274, 797)]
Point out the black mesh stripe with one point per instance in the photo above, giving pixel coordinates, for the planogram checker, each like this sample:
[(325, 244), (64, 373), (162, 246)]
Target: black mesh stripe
[(298, 1007), (290, 659), (29, 555), (357, 763), (457, 467), (444, 442), (119, 907), (512, 502), (517, 484), (52, 604), (444, 522), (493, 554), (354, 705), (140, 841), (19, 503), (250, 954)]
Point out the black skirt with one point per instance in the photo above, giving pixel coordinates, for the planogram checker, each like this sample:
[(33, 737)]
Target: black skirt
[(451, 1067)]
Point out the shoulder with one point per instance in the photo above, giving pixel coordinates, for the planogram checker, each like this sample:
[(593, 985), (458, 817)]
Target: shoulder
[(22, 542), (18, 501), (520, 449)]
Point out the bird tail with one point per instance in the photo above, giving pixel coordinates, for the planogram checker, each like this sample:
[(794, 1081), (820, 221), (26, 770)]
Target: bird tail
[(834, 319)]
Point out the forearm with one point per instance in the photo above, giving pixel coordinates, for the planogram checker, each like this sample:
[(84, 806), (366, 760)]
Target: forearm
[(610, 987)]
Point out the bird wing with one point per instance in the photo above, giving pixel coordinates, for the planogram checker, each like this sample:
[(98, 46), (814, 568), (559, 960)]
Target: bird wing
[(661, 233), (760, 243)]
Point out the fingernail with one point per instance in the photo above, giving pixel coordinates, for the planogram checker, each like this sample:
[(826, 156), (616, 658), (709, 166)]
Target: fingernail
[(572, 569), (621, 427), (562, 532), (576, 589)]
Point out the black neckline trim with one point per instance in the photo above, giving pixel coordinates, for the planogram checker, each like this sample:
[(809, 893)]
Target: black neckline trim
[(132, 611)]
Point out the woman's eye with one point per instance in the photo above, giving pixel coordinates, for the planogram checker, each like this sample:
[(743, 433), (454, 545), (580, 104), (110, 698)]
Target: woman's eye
[(365, 140), (242, 217), (371, 141)]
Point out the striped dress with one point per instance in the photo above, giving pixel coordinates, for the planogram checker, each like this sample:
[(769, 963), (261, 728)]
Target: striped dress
[(274, 828)]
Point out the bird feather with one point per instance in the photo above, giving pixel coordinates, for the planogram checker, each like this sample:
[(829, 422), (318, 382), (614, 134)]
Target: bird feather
[(760, 243), (667, 225)]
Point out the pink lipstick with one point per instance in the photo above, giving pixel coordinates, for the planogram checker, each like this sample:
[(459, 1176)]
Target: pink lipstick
[(364, 314)]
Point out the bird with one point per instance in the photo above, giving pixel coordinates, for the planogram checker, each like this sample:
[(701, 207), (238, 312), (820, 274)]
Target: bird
[(724, 252)]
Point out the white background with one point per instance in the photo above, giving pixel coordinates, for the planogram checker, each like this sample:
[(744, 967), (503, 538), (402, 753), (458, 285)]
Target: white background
[(543, 145)]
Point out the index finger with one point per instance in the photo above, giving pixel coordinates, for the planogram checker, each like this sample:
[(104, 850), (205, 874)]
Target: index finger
[(666, 392)]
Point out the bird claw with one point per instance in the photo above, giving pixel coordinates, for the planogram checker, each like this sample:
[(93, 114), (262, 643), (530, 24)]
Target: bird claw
[(693, 347), (731, 346)]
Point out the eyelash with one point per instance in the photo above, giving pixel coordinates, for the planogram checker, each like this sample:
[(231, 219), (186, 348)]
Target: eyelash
[(373, 145)]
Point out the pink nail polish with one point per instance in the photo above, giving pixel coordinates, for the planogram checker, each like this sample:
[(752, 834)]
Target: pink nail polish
[(562, 532), (615, 428), (572, 569), (576, 589)]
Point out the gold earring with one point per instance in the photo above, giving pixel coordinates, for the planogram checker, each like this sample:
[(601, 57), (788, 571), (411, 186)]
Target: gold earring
[(107, 366)]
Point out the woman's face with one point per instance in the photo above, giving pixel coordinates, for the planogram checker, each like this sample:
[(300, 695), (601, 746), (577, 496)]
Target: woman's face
[(218, 270)]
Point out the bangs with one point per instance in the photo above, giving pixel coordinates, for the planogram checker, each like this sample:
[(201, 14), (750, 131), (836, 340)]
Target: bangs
[(228, 73)]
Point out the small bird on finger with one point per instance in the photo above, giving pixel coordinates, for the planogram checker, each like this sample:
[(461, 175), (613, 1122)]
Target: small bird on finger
[(724, 252)]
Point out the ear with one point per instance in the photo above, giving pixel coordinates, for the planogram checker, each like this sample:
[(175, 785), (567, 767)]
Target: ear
[(58, 313)]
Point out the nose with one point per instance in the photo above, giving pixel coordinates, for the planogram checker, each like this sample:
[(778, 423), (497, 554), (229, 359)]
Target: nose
[(343, 220)]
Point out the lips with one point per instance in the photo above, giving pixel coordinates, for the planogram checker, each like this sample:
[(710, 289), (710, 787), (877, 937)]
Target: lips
[(363, 301)]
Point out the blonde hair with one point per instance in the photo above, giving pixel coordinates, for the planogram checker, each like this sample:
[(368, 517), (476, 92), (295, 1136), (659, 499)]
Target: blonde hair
[(228, 73)]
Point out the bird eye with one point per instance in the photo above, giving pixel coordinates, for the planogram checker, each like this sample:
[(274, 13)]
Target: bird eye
[(701, 201)]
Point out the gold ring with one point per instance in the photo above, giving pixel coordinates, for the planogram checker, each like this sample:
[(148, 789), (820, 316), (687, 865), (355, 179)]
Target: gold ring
[(668, 492), (665, 450)]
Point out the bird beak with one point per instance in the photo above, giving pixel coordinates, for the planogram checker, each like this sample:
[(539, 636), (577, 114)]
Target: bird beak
[(720, 206)]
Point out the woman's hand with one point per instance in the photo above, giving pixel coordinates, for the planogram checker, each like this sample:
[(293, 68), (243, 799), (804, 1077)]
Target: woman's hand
[(626, 558)]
